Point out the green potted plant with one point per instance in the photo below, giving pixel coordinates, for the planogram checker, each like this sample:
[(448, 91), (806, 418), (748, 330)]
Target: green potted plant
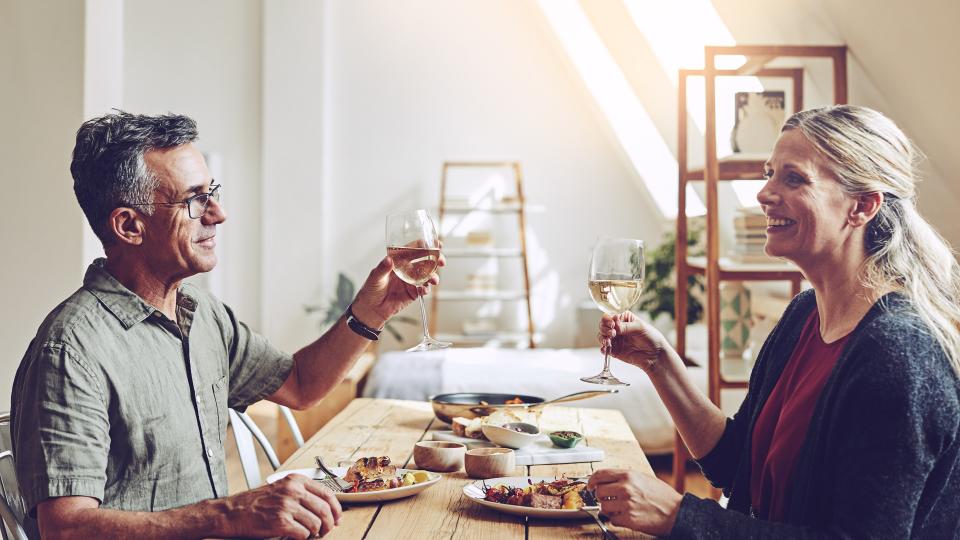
[(661, 279)]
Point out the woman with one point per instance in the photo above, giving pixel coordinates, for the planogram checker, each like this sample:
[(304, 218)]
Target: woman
[(851, 423)]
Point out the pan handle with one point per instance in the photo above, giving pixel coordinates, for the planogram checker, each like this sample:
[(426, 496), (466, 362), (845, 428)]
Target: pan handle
[(575, 397)]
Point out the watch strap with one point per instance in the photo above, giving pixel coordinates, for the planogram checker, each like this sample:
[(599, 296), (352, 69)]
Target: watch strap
[(359, 328)]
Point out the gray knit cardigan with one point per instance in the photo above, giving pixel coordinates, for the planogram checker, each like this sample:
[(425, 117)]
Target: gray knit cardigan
[(882, 456)]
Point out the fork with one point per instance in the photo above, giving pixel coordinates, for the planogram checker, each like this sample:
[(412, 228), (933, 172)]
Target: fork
[(594, 512), (331, 480)]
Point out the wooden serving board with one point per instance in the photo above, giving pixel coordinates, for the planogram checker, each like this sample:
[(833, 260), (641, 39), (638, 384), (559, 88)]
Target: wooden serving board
[(540, 452)]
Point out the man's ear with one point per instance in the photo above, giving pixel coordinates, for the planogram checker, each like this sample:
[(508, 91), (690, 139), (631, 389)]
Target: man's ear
[(868, 204), (126, 226)]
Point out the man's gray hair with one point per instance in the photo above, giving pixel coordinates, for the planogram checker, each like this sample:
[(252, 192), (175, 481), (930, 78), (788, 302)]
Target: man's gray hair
[(108, 167)]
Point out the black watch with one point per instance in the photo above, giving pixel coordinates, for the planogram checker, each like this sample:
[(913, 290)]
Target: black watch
[(359, 328)]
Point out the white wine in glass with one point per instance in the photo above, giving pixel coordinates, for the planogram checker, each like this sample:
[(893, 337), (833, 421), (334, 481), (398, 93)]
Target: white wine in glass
[(414, 246), (615, 282)]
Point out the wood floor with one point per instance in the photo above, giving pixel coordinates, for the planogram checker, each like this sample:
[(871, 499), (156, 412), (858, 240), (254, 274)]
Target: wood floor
[(265, 415)]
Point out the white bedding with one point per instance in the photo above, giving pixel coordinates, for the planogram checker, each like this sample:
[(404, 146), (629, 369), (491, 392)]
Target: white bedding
[(548, 373)]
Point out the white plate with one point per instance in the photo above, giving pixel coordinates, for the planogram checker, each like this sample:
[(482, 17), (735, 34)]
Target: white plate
[(474, 491), (367, 496)]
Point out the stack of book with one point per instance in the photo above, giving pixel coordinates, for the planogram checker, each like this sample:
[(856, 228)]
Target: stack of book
[(750, 235)]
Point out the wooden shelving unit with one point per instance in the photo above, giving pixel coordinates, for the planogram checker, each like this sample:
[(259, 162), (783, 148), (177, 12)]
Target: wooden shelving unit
[(715, 268), (514, 208)]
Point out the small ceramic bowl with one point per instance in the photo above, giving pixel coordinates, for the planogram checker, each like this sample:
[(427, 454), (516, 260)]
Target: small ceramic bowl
[(565, 439), (512, 435), (489, 462), (439, 456)]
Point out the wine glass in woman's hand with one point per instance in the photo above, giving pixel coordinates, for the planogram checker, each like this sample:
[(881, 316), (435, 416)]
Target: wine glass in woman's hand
[(615, 281)]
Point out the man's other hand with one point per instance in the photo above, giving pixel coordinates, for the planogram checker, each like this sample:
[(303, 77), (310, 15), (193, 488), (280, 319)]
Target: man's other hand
[(294, 506)]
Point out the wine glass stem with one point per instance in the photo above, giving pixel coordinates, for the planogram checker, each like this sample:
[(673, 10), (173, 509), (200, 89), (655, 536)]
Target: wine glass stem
[(423, 318), (606, 363)]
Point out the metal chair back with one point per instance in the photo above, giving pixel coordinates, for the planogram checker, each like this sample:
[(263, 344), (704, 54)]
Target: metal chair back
[(246, 432), (13, 511)]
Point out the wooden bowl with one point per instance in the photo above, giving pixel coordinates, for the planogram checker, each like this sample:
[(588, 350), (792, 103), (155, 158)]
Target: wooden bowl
[(439, 456), (486, 463)]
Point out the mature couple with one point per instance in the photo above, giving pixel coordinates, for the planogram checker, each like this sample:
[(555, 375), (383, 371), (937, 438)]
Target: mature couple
[(851, 426)]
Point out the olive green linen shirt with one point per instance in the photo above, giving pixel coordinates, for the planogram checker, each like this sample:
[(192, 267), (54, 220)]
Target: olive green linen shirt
[(115, 401)]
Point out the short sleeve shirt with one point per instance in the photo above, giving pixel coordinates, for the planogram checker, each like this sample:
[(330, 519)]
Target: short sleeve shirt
[(113, 400)]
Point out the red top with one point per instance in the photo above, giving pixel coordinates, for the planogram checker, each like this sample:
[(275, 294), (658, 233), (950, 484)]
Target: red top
[(782, 425)]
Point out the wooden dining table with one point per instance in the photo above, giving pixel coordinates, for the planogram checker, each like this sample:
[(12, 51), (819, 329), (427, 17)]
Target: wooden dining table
[(385, 427)]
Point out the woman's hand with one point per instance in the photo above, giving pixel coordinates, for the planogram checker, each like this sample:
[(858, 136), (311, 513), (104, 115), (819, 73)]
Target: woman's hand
[(636, 500), (628, 338)]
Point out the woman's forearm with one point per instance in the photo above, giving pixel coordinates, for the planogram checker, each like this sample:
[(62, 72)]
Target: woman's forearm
[(699, 421)]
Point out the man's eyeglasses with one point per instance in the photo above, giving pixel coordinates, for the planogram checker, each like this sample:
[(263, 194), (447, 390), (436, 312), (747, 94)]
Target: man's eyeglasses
[(196, 204)]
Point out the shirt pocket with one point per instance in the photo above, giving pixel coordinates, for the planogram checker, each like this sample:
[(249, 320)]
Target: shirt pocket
[(218, 402)]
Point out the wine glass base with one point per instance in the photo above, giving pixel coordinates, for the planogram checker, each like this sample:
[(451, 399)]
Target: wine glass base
[(604, 379), (430, 344)]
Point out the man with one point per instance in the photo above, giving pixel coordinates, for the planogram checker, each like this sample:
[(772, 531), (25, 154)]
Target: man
[(119, 407)]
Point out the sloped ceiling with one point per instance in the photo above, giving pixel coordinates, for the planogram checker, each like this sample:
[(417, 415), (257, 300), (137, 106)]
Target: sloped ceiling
[(910, 51), (902, 61)]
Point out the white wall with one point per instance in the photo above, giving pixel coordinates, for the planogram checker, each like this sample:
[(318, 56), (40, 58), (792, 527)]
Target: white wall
[(295, 203), (414, 83), (41, 103), (203, 59)]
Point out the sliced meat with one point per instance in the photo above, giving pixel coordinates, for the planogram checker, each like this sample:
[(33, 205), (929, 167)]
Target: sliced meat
[(545, 501), (370, 468)]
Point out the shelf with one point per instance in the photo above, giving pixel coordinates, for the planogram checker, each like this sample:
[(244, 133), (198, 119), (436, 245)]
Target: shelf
[(727, 373), (735, 167), (477, 295), (732, 270), (502, 208), (483, 252), (475, 209)]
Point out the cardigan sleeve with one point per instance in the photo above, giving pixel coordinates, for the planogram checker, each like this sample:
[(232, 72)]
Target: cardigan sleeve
[(705, 519), (894, 445)]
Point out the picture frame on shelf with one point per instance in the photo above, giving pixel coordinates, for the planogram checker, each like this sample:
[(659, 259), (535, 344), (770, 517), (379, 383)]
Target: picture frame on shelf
[(750, 110), (757, 121)]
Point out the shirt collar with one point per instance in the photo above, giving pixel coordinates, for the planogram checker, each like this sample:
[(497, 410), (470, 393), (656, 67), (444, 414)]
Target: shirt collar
[(123, 303)]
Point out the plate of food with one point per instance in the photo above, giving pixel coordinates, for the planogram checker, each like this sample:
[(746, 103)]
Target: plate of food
[(544, 497), (374, 479)]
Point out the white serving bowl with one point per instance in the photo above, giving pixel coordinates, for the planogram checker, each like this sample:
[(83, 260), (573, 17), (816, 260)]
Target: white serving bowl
[(505, 436)]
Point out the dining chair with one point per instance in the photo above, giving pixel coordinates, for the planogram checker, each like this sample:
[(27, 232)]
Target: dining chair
[(245, 433), (292, 424), (13, 511)]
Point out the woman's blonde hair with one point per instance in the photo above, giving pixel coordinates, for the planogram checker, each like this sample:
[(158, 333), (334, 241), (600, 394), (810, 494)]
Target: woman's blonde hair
[(869, 153)]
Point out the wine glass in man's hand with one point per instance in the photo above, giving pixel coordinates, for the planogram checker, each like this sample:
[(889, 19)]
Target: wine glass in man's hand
[(414, 246)]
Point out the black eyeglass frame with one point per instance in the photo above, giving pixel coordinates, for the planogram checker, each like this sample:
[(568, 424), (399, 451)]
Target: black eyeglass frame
[(206, 196)]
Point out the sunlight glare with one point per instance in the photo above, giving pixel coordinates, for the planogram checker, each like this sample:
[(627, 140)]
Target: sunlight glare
[(639, 137), (677, 31)]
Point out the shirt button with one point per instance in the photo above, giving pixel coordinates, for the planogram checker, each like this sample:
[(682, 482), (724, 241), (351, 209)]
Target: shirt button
[(209, 452)]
